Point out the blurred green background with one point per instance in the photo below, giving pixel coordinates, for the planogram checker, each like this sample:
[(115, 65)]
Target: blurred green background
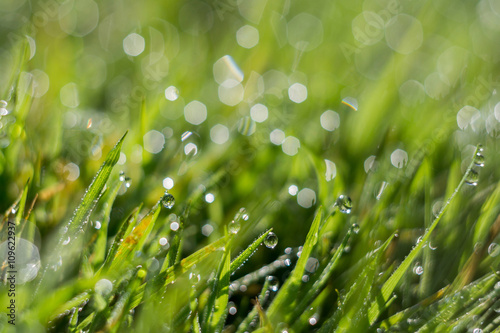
[(254, 103)]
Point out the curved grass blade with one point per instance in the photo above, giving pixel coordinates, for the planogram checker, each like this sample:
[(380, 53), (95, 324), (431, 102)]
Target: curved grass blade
[(379, 305)]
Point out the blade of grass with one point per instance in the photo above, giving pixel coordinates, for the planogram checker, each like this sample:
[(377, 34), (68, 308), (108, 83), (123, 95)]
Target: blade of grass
[(286, 298), (378, 306), (81, 213), (218, 316)]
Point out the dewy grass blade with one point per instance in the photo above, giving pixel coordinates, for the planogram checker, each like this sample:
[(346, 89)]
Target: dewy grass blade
[(286, 298), (247, 253), (222, 295), (117, 241), (135, 241), (378, 306), (82, 212)]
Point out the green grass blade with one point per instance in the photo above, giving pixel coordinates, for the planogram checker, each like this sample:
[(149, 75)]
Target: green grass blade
[(117, 241), (247, 253), (378, 306), (76, 224), (219, 314), (135, 241), (285, 299)]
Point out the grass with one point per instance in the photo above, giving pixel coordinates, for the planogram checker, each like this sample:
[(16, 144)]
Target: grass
[(99, 138)]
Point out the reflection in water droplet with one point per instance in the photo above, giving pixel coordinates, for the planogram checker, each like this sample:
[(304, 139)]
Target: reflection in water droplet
[(355, 228), (290, 145), (97, 225), (171, 93), (331, 170), (234, 227), (399, 158), (66, 241), (306, 197), (271, 240), (209, 197), (168, 200), (207, 229), (259, 113), (273, 283), (247, 36), (494, 249), (479, 159), (344, 203), (351, 102), (195, 113), (418, 269), (232, 308), (293, 189), (297, 93), (219, 134), (329, 120), (103, 287), (246, 126), (27, 259), (277, 136), (168, 183), (134, 44), (472, 177)]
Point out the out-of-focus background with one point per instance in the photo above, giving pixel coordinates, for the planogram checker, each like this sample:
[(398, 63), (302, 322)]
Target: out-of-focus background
[(246, 103)]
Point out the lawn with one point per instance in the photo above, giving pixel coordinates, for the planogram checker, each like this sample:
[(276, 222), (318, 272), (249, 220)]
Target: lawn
[(249, 166)]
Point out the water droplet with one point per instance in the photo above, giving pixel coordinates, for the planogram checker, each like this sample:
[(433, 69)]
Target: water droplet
[(234, 227), (271, 240), (355, 228), (344, 203), (232, 308), (103, 287), (313, 321), (66, 242), (273, 283), (494, 249), (141, 273), (418, 269), (477, 330), (97, 225), (479, 159), (163, 241), (168, 200), (472, 177)]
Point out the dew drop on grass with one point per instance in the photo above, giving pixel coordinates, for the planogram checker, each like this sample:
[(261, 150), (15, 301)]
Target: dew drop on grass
[(103, 287), (494, 249), (232, 308), (66, 241), (479, 159), (472, 177), (168, 200), (418, 270), (274, 283), (234, 226), (344, 203), (355, 228), (271, 240), (241, 215)]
